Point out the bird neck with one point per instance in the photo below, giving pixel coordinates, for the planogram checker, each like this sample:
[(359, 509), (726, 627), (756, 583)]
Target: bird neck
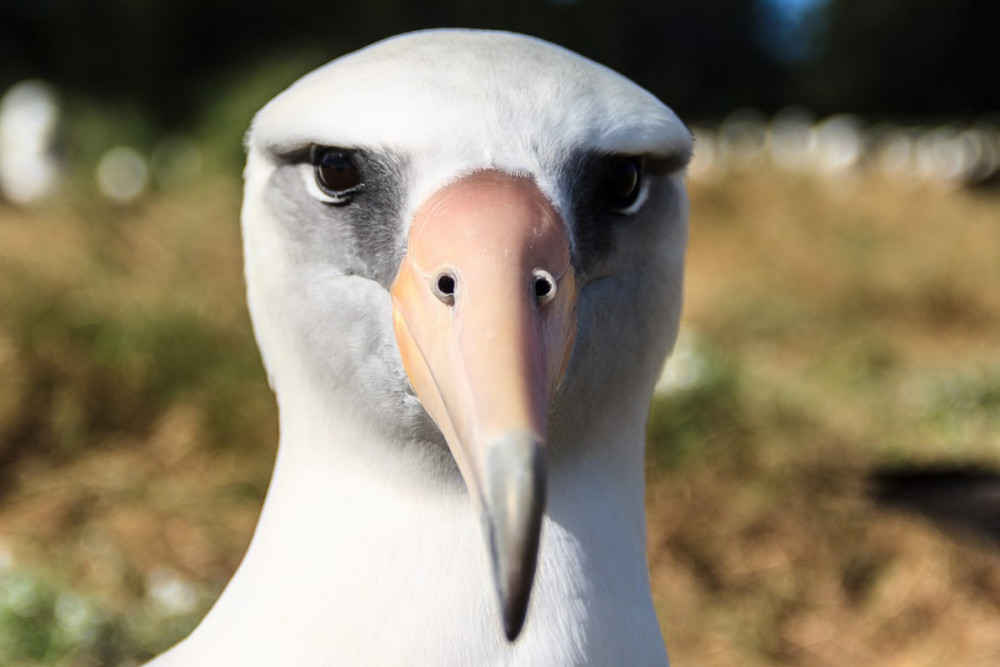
[(363, 540)]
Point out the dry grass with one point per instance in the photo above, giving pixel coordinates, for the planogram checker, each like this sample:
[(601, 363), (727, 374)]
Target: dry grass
[(861, 324), (840, 327), (136, 428)]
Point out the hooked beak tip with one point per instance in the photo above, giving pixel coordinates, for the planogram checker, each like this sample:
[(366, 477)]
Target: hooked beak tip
[(515, 502)]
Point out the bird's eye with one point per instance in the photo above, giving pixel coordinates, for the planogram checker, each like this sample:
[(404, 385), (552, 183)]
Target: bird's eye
[(621, 183), (336, 173)]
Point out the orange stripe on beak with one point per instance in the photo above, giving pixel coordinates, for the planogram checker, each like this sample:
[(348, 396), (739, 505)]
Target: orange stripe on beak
[(484, 309)]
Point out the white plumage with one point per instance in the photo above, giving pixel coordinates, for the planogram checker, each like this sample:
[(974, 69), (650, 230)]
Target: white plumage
[(368, 550)]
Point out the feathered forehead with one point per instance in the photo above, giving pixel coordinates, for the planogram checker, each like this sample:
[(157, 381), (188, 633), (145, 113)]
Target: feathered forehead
[(487, 94)]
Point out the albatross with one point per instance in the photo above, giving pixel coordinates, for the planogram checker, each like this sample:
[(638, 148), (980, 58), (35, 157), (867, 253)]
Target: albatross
[(464, 254)]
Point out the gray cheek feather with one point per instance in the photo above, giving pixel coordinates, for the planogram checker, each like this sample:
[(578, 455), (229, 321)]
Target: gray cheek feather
[(592, 232), (344, 259), (316, 234), (345, 327), (365, 237), (605, 242), (636, 282)]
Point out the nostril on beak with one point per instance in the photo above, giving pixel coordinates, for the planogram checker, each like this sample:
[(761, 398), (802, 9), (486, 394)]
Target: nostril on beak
[(443, 287), (543, 286)]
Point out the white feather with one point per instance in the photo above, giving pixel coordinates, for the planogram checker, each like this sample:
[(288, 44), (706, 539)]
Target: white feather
[(364, 558)]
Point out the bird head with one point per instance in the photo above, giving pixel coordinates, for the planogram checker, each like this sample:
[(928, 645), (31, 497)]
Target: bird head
[(460, 238)]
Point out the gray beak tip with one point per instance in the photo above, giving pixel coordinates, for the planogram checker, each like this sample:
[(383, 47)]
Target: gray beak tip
[(513, 622), (513, 524), (513, 575)]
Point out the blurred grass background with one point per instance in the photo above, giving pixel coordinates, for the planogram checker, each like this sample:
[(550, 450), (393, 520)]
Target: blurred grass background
[(834, 326), (835, 330)]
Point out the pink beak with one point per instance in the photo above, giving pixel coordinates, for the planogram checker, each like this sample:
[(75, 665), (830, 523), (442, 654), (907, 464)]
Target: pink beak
[(484, 309)]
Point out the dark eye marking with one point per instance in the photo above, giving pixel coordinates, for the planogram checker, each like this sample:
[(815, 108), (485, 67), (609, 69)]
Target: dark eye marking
[(337, 173), (621, 183), (606, 189)]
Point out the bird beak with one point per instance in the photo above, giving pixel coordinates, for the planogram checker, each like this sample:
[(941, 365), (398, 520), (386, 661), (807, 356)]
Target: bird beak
[(484, 309)]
